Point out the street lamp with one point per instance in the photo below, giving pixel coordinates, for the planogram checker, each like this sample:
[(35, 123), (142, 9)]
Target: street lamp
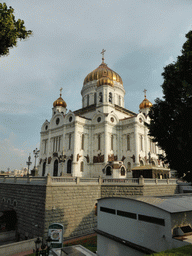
[(28, 163), (36, 154), (37, 246)]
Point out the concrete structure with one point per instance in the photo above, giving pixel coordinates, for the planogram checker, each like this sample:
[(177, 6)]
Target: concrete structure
[(128, 226), (69, 201), (100, 139)]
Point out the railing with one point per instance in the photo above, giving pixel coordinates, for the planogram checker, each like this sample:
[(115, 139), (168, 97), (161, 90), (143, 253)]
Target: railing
[(48, 180)]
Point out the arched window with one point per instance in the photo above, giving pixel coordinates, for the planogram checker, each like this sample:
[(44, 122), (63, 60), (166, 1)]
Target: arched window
[(110, 97), (108, 171), (122, 171), (69, 141), (87, 99), (69, 162), (82, 167), (119, 100), (153, 163), (55, 170), (100, 97), (44, 169), (141, 163)]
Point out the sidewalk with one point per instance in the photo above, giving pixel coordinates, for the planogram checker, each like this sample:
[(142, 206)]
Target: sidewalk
[(65, 242)]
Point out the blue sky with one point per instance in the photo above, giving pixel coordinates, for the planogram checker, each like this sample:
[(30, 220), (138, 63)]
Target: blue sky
[(140, 38)]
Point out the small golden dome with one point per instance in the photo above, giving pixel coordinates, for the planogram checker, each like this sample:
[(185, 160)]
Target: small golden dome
[(60, 102), (145, 104), (104, 75)]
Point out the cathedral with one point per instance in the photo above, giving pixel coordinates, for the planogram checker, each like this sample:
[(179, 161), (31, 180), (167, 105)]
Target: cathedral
[(103, 138)]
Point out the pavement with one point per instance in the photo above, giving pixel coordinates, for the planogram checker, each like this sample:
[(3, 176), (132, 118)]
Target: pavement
[(26, 253)]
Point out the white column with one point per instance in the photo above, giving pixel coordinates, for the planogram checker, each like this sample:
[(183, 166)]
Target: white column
[(136, 145), (106, 144), (75, 142)]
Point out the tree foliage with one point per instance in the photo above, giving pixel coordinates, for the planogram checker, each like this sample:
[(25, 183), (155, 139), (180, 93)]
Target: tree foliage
[(171, 118), (10, 29)]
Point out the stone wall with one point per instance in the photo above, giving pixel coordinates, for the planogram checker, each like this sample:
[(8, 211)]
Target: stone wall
[(70, 202), (72, 206), (29, 203)]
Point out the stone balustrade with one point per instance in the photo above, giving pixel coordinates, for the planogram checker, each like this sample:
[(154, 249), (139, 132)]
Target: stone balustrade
[(48, 180)]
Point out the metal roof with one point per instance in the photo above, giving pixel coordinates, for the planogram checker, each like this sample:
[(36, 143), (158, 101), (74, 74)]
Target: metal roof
[(171, 203)]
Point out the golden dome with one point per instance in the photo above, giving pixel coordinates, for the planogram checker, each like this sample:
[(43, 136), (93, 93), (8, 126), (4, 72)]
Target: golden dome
[(104, 75), (145, 104), (60, 102)]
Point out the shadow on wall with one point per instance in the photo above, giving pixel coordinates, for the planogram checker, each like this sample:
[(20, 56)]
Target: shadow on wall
[(74, 224)]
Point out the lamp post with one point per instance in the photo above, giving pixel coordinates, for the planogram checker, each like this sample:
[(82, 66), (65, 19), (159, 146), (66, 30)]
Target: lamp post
[(36, 154), (37, 246), (28, 163)]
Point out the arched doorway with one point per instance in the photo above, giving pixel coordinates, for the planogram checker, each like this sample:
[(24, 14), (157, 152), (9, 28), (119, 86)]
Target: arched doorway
[(55, 170), (69, 166), (122, 171), (44, 169), (108, 171)]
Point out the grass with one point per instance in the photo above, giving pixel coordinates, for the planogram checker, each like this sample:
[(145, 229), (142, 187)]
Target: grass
[(181, 251)]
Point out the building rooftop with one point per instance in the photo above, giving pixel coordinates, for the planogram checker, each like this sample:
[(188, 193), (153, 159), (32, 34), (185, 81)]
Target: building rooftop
[(170, 203)]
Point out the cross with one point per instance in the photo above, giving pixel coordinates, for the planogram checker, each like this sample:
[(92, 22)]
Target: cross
[(103, 55), (145, 93), (61, 91)]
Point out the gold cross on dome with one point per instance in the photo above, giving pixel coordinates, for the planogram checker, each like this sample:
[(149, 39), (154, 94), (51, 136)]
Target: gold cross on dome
[(145, 92), (103, 51), (61, 91)]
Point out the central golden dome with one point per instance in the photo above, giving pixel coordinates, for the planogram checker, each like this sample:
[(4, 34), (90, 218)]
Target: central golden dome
[(103, 75)]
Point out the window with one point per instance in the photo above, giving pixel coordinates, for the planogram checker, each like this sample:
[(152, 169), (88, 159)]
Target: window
[(141, 142), (119, 100), (82, 167), (44, 169), (82, 141), (108, 210), (127, 214), (153, 220), (56, 144), (69, 141), (128, 142), (111, 142), (45, 146), (99, 141), (100, 97), (110, 97), (122, 171), (95, 98), (88, 100)]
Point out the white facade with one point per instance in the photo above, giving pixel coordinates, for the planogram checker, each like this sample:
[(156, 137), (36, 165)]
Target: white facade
[(145, 224), (102, 133)]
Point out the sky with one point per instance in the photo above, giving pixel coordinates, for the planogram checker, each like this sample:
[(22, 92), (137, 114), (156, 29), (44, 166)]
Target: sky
[(140, 37)]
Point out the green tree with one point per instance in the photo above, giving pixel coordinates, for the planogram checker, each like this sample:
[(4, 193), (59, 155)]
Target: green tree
[(10, 29), (171, 118)]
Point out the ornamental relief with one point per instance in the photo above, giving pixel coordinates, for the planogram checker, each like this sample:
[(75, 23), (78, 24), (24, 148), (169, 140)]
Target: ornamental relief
[(98, 159)]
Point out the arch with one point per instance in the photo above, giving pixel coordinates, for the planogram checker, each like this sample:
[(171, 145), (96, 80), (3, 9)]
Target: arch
[(122, 171), (153, 163), (141, 163), (44, 169), (69, 163), (108, 170), (55, 170)]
